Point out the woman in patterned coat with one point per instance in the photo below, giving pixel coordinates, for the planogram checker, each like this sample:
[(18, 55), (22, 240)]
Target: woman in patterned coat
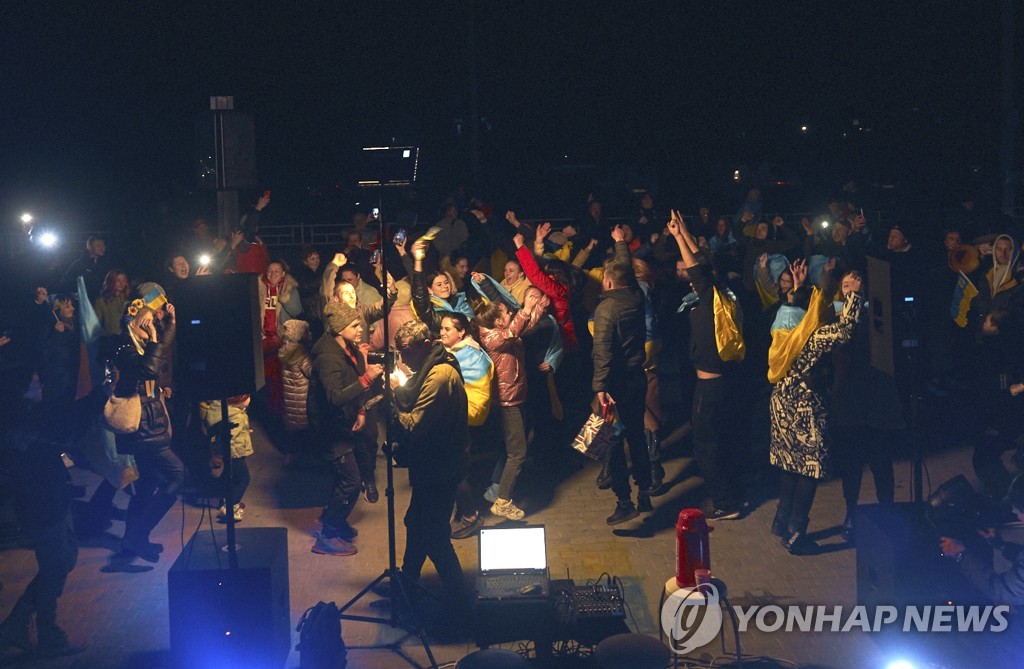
[(799, 426)]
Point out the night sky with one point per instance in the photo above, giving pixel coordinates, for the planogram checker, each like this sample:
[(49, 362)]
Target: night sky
[(98, 105)]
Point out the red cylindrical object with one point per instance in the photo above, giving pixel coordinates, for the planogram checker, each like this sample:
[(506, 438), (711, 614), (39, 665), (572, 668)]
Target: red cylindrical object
[(693, 546)]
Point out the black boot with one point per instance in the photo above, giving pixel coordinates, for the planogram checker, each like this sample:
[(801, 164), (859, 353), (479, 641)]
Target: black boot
[(643, 502), (624, 510), (795, 540), (370, 491)]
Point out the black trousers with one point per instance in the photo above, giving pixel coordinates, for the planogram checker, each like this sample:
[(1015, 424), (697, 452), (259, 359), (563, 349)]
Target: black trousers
[(56, 552), (161, 473), (347, 483), (428, 534), (630, 403), (714, 457), (856, 446), (796, 496)]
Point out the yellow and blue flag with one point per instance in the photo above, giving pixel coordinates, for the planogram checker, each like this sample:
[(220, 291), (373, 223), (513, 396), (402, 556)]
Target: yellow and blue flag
[(964, 292)]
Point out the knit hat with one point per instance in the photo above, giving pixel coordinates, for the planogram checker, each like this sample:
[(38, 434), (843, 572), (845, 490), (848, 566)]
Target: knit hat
[(404, 293), (338, 316), (294, 330)]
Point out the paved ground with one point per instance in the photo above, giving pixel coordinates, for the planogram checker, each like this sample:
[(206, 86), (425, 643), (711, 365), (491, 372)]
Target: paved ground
[(123, 616)]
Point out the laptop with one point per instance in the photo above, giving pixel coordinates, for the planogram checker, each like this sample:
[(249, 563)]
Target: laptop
[(512, 560)]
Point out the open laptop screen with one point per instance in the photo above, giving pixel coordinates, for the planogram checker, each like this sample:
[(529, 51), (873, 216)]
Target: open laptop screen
[(512, 548)]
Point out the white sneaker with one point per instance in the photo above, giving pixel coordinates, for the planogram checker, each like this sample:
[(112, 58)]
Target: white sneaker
[(506, 509)]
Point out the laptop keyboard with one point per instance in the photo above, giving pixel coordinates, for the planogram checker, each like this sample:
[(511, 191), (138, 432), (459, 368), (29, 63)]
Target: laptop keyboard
[(508, 583)]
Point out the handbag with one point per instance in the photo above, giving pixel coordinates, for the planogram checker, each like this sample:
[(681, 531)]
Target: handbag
[(595, 437), (122, 415)]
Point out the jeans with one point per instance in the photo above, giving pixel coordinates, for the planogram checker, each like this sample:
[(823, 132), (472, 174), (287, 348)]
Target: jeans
[(347, 484), (515, 450), (56, 552), (161, 473), (713, 456)]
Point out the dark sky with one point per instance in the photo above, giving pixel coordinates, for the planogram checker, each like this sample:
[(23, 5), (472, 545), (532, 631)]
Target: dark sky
[(97, 104)]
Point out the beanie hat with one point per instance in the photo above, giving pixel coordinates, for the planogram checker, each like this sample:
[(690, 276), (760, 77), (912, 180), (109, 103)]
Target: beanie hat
[(404, 293), (294, 330), (338, 316)]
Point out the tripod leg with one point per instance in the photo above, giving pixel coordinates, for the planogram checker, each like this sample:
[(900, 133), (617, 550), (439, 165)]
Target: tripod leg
[(417, 627), (362, 592)]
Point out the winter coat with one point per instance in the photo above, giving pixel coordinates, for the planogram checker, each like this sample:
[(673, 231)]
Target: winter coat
[(556, 292), (241, 440), (336, 390), (431, 413), (296, 368), (109, 311), (799, 426), (289, 305), (508, 353)]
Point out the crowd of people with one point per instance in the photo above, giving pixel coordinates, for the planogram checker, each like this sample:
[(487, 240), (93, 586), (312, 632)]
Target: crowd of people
[(500, 331)]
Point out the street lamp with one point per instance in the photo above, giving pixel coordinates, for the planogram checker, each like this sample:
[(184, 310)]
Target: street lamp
[(26, 218)]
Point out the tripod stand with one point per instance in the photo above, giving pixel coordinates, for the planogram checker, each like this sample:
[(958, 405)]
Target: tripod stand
[(398, 594)]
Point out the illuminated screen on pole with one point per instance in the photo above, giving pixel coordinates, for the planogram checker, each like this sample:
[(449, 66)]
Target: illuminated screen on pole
[(388, 166)]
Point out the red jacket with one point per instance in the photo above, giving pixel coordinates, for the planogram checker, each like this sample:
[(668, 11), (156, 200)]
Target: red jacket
[(556, 292)]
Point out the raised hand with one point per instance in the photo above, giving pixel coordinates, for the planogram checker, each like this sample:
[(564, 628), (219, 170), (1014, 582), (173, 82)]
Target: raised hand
[(798, 268), (542, 230), (339, 259), (762, 260), (518, 240), (617, 234), (419, 250), (510, 216), (805, 223), (830, 264), (479, 277), (747, 216), (778, 222), (859, 222)]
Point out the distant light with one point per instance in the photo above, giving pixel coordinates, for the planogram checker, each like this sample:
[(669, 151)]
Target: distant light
[(48, 239), (26, 217), (824, 224), (204, 259), (803, 129), (736, 175)]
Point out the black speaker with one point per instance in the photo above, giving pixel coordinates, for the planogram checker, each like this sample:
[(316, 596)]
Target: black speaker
[(899, 562), (231, 618), (218, 351), (225, 148)]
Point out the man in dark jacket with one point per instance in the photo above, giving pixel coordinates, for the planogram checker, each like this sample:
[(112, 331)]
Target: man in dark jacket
[(338, 389), (432, 413), (619, 335), (93, 265)]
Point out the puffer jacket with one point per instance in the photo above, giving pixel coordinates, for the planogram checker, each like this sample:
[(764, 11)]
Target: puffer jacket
[(296, 368), (509, 355)]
